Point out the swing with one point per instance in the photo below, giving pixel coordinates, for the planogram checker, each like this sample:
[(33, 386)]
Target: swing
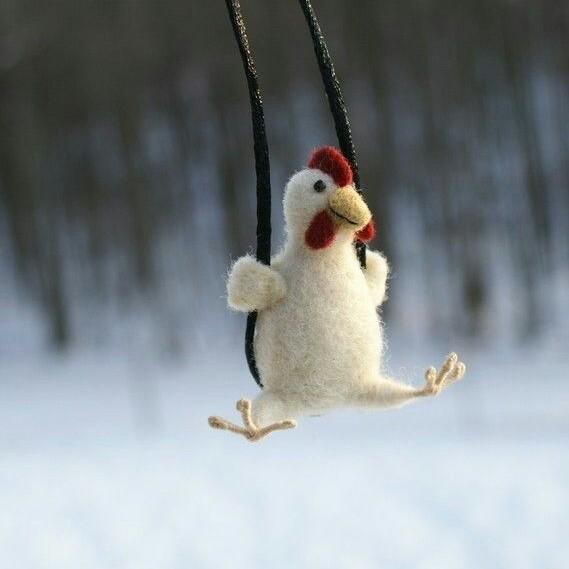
[(314, 339)]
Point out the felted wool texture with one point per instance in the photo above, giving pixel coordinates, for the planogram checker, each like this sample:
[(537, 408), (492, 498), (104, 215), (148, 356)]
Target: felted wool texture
[(322, 337), (319, 338), (253, 286), (351, 204), (377, 273), (331, 161), (367, 233), (321, 231)]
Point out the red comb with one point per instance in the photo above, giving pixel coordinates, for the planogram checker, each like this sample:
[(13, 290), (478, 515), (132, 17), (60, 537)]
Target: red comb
[(332, 162)]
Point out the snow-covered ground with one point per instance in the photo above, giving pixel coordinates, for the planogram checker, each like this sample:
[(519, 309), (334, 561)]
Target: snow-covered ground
[(107, 462)]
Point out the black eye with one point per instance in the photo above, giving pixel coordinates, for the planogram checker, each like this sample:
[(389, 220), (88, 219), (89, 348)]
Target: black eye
[(319, 186)]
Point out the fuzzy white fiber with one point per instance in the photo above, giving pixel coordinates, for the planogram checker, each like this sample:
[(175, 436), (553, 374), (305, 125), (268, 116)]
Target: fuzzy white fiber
[(319, 338)]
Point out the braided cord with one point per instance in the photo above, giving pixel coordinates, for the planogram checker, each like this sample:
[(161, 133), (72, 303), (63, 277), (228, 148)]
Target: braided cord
[(335, 101), (261, 147), (262, 167)]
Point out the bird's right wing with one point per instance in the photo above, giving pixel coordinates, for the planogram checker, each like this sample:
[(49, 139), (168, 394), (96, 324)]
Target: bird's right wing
[(253, 286)]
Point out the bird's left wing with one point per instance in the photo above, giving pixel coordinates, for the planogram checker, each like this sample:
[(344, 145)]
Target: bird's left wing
[(376, 273)]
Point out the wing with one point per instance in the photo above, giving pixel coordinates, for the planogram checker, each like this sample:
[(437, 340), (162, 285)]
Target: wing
[(376, 273), (253, 286)]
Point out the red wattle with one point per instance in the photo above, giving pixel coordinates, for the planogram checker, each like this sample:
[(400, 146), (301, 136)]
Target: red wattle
[(367, 233), (320, 233)]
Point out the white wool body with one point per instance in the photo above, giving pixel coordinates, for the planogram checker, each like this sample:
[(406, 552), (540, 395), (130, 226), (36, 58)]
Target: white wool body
[(319, 338), (323, 340)]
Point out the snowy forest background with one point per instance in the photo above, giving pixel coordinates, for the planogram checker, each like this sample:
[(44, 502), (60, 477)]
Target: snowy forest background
[(127, 187), (127, 179)]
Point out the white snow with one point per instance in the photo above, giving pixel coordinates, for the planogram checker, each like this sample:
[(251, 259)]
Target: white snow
[(107, 462)]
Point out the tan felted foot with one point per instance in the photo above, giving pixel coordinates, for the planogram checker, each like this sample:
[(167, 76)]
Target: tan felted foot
[(250, 431), (435, 381)]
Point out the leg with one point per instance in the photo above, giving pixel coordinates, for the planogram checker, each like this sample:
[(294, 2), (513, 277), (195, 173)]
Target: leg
[(270, 407), (268, 410), (386, 392)]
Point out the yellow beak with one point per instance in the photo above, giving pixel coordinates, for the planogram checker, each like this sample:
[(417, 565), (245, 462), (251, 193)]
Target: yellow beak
[(348, 208)]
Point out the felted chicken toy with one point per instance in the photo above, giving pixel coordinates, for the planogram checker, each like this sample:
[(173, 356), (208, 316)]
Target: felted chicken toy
[(319, 342)]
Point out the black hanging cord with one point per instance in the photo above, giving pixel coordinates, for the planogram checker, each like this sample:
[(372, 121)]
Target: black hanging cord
[(336, 102), (262, 168), (261, 147)]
